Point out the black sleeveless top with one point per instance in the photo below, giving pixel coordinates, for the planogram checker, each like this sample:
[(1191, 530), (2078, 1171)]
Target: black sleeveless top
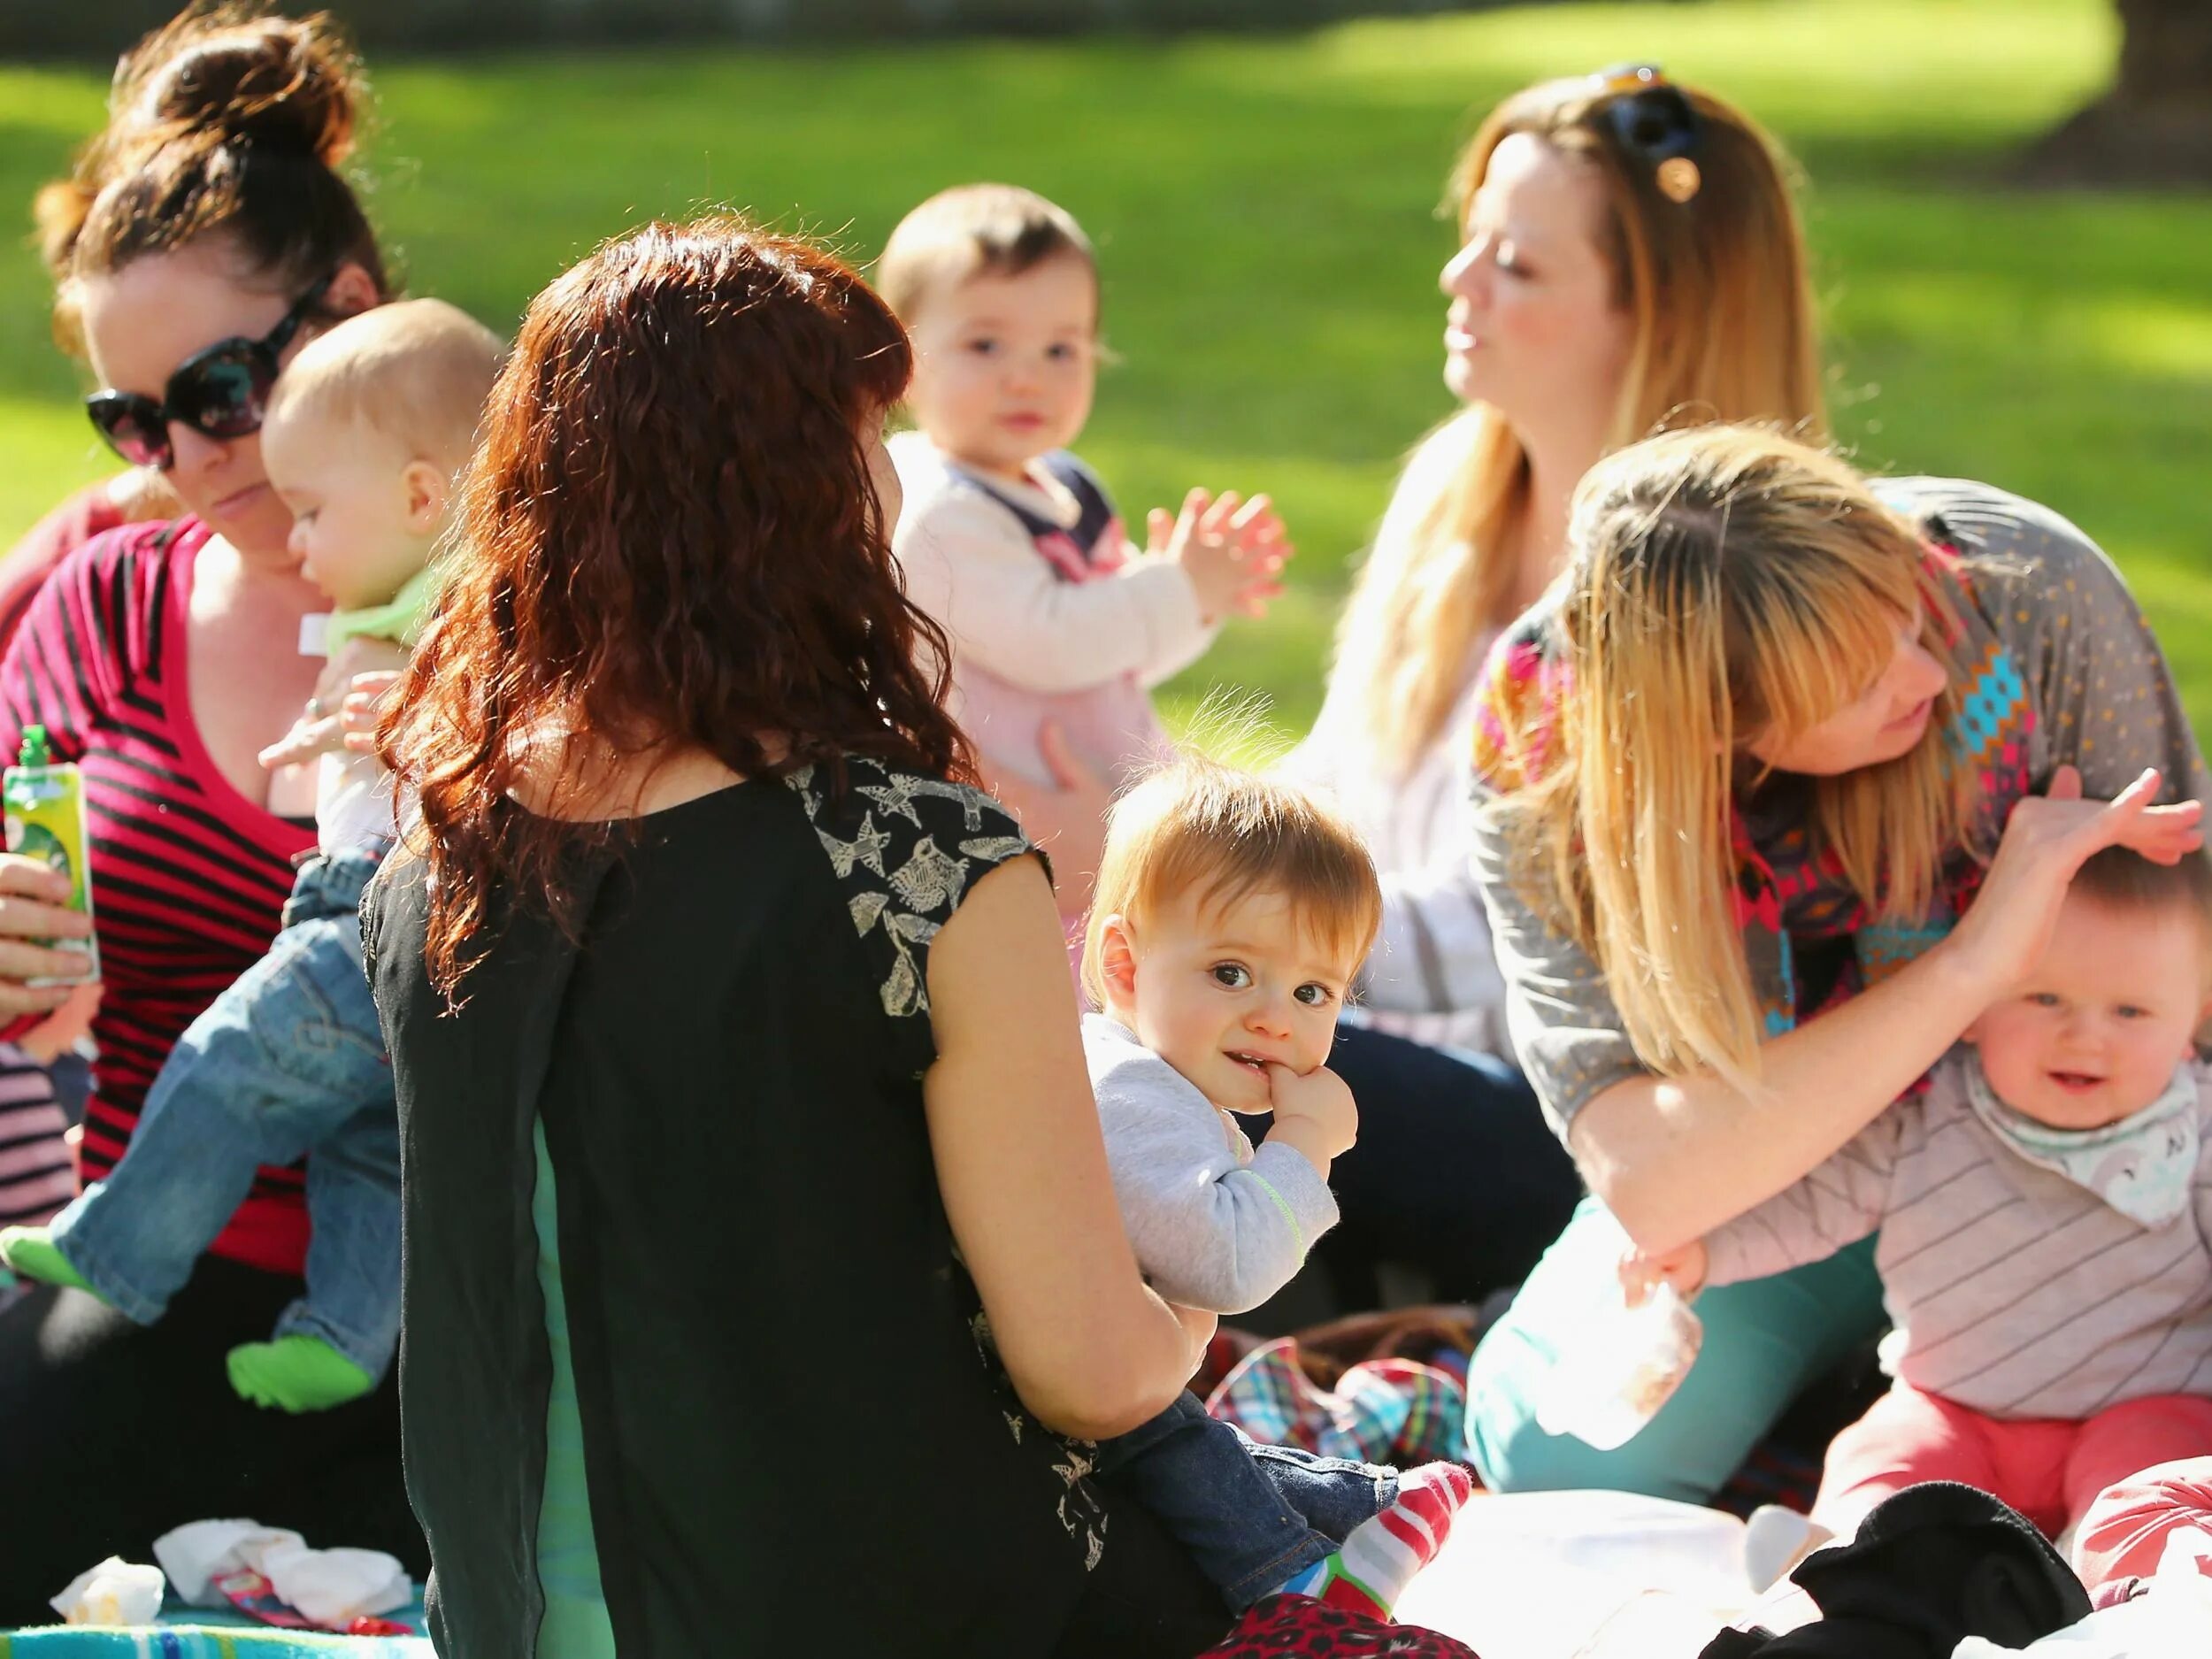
[(794, 1423)]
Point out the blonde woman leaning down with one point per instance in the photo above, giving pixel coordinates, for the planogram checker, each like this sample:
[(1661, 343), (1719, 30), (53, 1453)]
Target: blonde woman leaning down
[(1629, 256), (1781, 744)]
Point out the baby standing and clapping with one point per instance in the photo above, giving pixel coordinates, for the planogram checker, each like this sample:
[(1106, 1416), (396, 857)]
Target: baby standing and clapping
[(1008, 540)]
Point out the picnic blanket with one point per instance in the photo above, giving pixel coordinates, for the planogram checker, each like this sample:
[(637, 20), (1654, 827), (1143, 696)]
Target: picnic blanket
[(1391, 1388), (1396, 1411), (1281, 1627), (202, 1641), (198, 1632)]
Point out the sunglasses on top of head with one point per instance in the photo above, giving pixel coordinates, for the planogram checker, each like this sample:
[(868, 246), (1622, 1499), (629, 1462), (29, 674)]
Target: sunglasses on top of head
[(221, 392), (1654, 121)]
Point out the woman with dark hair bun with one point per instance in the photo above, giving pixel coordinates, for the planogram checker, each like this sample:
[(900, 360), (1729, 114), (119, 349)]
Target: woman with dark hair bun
[(226, 119), (204, 236), (724, 1012)]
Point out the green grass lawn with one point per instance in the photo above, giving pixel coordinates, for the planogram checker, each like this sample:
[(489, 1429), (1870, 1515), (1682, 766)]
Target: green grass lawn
[(1264, 208)]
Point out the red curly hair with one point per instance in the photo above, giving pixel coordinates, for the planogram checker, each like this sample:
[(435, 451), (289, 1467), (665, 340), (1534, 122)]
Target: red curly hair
[(667, 540)]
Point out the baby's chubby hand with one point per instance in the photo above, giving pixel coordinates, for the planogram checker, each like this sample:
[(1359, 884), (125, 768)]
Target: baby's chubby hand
[(1685, 1269), (348, 723), (1314, 1112), (59, 1031), (1231, 550)]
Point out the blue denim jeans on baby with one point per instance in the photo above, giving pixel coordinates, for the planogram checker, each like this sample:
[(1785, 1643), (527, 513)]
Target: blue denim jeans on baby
[(287, 1063), (1251, 1516)]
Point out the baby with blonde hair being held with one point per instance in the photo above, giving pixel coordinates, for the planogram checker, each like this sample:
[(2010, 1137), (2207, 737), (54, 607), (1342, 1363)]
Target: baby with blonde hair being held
[(1231, 912), (364, 436)]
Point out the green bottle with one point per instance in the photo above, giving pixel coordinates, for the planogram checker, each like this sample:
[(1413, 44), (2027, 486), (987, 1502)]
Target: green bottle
[(45, 815)]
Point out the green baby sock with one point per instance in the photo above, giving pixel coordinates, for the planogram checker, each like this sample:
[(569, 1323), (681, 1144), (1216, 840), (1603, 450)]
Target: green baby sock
[(296, 1374), (32, 1252)]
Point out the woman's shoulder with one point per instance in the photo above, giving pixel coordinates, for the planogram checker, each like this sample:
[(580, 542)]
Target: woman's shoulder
[(1439, 458), (128, 552), (2033, 575), (108, 589), (1516, 698), (906, 847), (1998, 531), (903, 803), (91, 513)]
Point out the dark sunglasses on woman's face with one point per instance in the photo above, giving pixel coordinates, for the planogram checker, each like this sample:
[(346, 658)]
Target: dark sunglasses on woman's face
[(1655, 122), (221, 392)]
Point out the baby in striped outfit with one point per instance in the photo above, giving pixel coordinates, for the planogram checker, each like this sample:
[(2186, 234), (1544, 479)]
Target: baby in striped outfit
[(2045, 1208)]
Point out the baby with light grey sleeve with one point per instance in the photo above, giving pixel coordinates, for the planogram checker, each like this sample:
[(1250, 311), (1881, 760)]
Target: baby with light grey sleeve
[(1215, 1223), (1232, 910)]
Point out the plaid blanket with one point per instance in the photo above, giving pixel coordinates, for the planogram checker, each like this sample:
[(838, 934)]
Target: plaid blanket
[(1380, 1411), (1396, 1410)]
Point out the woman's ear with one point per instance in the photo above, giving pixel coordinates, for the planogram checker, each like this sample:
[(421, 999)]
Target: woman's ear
[(351, 291)]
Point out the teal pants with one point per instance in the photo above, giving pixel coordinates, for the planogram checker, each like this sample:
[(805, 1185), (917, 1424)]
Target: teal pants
[(1764, 1341)]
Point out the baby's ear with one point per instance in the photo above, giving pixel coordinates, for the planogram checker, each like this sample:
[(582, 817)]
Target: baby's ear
[(428, 490), (1117, 958)]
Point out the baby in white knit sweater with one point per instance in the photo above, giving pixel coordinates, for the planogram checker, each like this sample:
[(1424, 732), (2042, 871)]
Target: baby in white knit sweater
[(1007, 540)]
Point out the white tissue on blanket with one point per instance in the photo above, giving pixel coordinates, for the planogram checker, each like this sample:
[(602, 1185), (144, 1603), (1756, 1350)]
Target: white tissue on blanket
[(335, 1586), (200, 1552), (331, 1586), (116, 1592)]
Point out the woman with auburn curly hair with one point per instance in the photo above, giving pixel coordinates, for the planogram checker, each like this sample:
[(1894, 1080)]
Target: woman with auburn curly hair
[(728, 1018)]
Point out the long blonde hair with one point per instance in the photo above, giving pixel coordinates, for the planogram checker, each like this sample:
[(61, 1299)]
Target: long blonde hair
[(1723, 330), (1722, 583)]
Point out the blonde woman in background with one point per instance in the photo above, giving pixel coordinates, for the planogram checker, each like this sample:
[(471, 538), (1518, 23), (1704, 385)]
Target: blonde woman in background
[(1630, 257), (1780, 744)]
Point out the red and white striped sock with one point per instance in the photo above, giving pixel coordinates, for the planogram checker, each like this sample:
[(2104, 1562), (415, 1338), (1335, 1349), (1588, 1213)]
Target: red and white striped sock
[(1380, 1557)]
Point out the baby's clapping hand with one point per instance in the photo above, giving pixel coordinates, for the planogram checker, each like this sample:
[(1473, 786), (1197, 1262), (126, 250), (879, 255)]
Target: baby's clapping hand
[(1231, 550), (1685, 1269), (1314, 1111)]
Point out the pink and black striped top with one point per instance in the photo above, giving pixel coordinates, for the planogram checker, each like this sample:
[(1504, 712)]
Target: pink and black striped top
[(189, 877), (37, 1177)]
